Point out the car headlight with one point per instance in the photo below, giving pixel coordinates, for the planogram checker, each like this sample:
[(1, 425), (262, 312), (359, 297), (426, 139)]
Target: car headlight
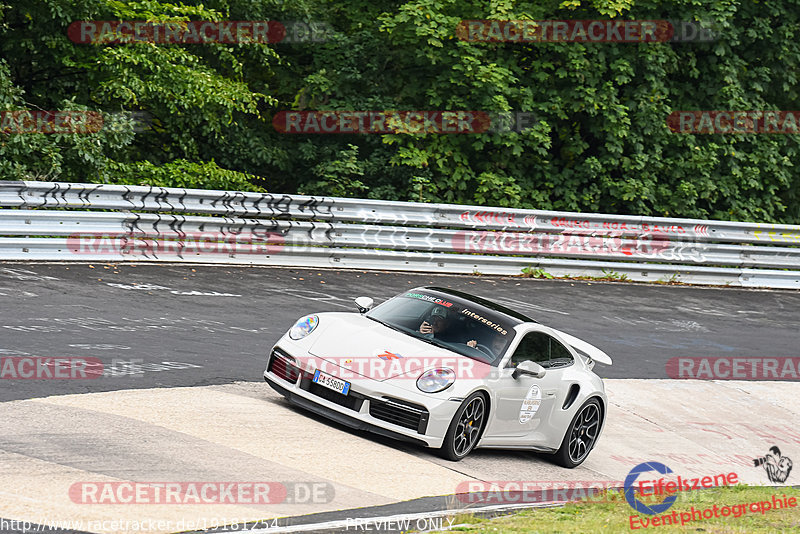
[(303, 327), (436, 380)]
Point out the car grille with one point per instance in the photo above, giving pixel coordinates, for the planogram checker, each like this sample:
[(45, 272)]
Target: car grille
[(400, 413), (283, 366)]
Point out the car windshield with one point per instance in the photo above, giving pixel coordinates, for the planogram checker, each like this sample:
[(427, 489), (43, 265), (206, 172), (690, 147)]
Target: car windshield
[(453, 324)]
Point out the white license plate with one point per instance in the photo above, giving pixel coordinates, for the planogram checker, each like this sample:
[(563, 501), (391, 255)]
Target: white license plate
[(331, 382)]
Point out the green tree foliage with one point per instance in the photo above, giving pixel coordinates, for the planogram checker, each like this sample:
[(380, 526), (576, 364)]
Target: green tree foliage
[(194, 95), (599, 140)]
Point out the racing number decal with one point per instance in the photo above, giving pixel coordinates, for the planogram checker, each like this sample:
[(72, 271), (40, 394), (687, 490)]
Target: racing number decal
[(530, 404)]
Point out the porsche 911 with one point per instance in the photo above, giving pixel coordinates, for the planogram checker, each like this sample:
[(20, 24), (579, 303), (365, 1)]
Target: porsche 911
[(447, 370)]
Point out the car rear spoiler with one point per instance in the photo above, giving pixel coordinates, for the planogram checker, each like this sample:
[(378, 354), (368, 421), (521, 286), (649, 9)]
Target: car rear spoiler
[(582, 346)]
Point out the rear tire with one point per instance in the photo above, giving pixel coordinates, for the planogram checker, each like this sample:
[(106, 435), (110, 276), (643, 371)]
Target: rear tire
[(581, 435), (466, 427)]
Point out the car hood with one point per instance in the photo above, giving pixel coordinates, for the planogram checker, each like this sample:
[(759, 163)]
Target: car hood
[(369, 349)]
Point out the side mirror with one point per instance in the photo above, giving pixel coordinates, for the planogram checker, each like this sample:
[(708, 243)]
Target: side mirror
[(529, 368), (364, 304)]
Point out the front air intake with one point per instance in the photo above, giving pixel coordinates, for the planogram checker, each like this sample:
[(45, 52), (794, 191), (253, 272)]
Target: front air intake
[(400, 413), (283, 366)]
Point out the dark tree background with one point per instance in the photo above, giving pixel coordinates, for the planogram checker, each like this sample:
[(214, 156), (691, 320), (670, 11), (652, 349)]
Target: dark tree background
[(599, 143)]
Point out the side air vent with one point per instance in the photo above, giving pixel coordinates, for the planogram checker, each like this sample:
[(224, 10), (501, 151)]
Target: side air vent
[(572, 394)]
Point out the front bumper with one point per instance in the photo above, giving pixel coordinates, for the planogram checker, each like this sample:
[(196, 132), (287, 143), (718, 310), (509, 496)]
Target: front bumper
[(376, 406)]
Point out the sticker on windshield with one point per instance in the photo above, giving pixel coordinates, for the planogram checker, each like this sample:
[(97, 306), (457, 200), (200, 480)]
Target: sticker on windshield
[(530, 404), (484, 320), (429, 298)]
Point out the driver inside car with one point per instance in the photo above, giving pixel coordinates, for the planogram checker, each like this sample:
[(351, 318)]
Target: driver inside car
[(497, 345), (439, 327)]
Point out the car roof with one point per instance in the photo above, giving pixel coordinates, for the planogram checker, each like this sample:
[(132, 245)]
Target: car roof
[(498, 308)]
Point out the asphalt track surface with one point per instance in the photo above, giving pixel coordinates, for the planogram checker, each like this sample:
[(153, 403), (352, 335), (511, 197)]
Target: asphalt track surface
[(215, 325), (199, 335)]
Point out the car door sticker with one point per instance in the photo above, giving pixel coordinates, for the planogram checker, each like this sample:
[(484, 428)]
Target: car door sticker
[(530, 404)]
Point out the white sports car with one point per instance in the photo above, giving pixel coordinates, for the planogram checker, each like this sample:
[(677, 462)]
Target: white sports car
[(447, 370)]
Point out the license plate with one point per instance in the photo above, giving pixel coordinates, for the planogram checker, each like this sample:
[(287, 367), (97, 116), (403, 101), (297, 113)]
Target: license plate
[(331, 382)]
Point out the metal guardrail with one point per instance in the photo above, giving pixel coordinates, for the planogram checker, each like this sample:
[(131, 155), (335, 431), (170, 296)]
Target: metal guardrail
[(185, 225)]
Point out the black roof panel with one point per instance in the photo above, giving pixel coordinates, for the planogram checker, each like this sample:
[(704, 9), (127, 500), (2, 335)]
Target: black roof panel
[(521, 318)]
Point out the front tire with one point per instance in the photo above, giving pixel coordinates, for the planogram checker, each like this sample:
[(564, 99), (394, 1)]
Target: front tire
[(465, 428), (581, 435)]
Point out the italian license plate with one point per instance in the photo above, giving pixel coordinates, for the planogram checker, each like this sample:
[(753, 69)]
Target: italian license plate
[(331, 382)]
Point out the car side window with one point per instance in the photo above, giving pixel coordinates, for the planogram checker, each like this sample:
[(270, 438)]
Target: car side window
[(541, 348), (560, 356)]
